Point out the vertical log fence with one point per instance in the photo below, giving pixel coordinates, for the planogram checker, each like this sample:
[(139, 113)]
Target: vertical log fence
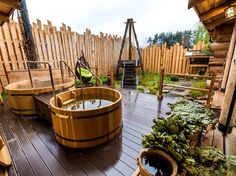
[(102, 51)]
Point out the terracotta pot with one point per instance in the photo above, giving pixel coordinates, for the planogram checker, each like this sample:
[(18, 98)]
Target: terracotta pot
[(159, 156)]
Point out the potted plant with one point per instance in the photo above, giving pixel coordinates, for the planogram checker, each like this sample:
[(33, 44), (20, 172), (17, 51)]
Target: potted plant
[(156, 162)]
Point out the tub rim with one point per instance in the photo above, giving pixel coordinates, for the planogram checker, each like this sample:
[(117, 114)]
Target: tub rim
[(54, 108), (58, 86)]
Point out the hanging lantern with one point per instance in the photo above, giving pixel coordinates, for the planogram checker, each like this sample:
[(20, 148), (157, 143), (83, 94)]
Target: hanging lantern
[(230, 12)]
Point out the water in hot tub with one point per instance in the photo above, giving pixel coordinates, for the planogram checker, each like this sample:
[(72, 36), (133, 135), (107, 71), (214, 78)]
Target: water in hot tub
[(87, 104)]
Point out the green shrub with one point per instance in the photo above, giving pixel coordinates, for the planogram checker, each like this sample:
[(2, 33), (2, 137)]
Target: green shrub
[(195, 93), (140, 88), (4, 95), (174, 78), (198, 84), (117, 84), (103, 79), (77, 82)]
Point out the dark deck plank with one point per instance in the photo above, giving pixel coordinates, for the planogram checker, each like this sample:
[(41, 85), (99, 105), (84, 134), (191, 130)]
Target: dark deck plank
[(44, 131), (32, 155), (74, 157), (20, 161), (53, 164)]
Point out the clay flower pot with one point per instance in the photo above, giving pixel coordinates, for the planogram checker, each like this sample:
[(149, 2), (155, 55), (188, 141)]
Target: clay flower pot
[(156, 162)]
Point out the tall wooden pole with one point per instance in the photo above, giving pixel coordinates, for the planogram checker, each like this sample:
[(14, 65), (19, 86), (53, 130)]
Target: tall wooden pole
[(160, 92), (229, 58), (121, 50), (28, 42), (137, 45), (130, 23), (229, 98)]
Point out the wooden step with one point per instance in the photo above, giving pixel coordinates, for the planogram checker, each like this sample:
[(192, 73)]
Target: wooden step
[(43, 106), (218, 63)]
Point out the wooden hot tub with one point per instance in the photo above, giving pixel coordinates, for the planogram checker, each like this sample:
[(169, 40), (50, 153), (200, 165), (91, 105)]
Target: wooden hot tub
[(81, 128), (20, 94)]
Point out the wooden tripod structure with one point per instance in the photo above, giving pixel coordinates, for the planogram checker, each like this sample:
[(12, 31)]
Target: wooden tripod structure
[(129, 28)]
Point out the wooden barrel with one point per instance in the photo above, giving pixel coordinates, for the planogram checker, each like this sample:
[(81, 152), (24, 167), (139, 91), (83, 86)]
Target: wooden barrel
[(20, 94), (160, 156), (86, 128)]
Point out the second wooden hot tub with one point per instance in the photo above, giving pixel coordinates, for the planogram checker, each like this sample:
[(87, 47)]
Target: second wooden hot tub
[(86, 117)]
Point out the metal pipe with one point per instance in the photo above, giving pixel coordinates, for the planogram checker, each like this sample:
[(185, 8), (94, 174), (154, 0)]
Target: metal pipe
[(28, 67), (62, 74), (50, 72), (53, 88)]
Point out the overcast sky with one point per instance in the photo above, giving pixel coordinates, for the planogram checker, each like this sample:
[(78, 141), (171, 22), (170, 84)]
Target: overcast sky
[(107, 16)]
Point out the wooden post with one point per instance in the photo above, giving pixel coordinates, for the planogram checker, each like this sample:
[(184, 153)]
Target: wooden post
[(229, 58), (208, 103), (130, 22), (1, 102), (112, 78), (160, 92), (96, 73), (228, 97)]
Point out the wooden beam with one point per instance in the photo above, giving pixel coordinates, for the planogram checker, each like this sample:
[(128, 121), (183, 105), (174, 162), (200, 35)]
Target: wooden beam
[(186, 87), (193, 3), (214, 24), (4, 17), (216, 11), (226, 118), (219, 46), (11, 3)]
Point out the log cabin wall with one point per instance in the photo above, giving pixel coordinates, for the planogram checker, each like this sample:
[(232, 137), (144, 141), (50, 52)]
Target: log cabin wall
[(212, 15), (223, 33)]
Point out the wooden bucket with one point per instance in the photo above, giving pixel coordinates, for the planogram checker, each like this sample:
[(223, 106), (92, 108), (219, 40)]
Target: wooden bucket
[(20, 94), (160, 156), (86, 128)]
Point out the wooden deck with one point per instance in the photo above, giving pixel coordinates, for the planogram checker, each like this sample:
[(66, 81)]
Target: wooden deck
[(35, 151)]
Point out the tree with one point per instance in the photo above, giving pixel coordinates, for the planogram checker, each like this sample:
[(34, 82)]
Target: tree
[(187, 39), (178, 37), (201, 34)]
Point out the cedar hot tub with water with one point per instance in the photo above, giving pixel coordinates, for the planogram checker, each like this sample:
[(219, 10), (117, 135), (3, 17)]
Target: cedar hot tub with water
[(21, 94), (86, 117)]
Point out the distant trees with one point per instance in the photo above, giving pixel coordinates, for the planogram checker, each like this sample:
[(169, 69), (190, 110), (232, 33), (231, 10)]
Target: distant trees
[(201, 34), (186, 38)]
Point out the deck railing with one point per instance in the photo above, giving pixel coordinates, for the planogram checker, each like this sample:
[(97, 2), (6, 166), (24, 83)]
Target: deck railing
[(209, 90)]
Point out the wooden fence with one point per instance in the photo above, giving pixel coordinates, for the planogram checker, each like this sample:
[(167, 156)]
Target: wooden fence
[(54, 45), (172, 59), (100, 51)]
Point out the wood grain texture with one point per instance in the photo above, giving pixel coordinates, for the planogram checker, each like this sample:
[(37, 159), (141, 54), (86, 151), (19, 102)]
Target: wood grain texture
[(20, 94), (86, 128)]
